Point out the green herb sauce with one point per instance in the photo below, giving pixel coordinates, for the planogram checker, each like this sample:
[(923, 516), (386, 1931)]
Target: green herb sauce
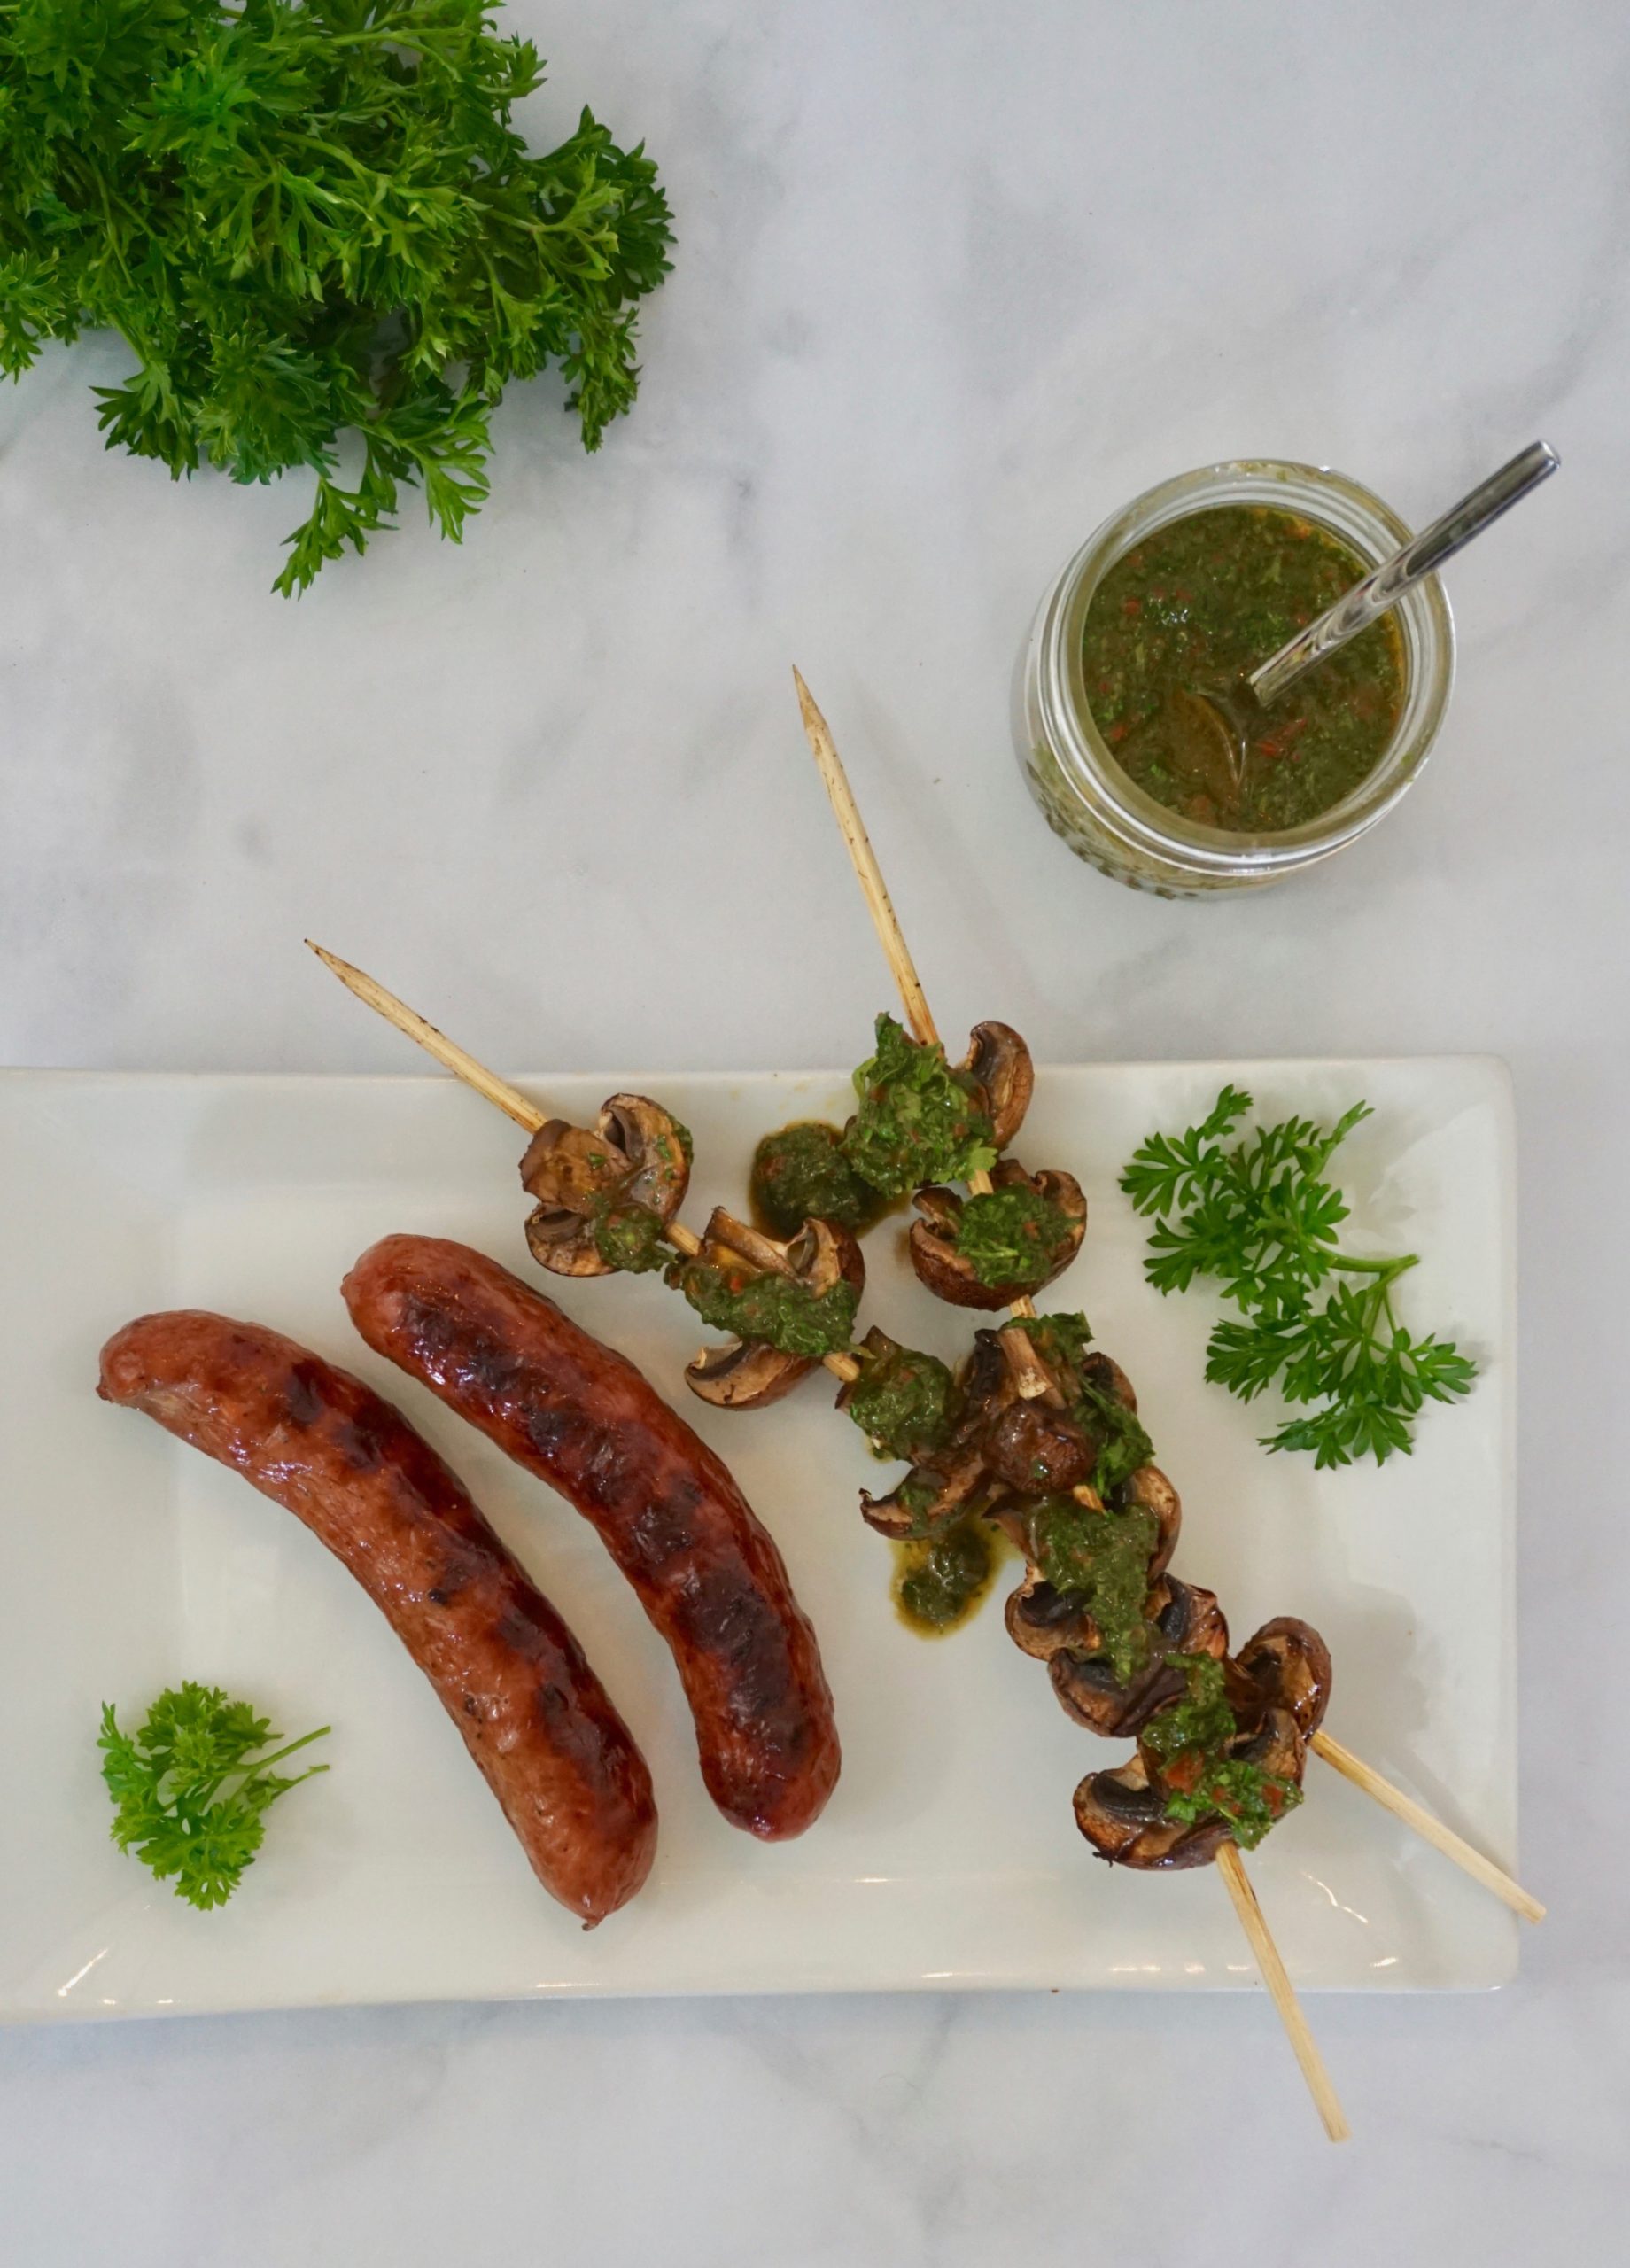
[(1191, 1741), (772, 1309), (1193, 608), (1102, 1558), (940, 1584), (801, 1174), (904, 1402), (918, 1118), (1013, 1236), (1062, 1340), (631, 1238)]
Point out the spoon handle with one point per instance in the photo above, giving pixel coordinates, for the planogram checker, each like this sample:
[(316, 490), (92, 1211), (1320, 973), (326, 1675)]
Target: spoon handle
[(1419, 556)]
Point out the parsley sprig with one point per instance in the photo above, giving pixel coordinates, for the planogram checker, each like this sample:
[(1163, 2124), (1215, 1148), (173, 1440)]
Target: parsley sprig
[(187, 1798), (312, 219), (1258, 1217)]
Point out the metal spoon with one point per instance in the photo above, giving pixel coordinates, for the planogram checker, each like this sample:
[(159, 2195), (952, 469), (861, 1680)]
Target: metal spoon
[(1421, 555)]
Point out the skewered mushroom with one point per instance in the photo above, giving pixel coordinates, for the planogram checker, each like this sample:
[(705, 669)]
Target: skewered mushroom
[(1288, 1662), (944, 1487), (748, 1373), (634, 1155), (935, 1496), (1124, 1817), (948, 1271), (1185, 1621), (999, 1063)]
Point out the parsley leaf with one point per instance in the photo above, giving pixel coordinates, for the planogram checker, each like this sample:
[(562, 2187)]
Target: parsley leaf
[(305, 219), (1260, 1218), (171, 1781)]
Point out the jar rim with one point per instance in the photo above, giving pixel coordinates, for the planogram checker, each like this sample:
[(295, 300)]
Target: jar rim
[(1356, 516)]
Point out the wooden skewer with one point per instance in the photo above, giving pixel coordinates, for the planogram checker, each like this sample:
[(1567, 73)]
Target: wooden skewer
[(1431, 1830), (494, 1090), (433, 1042), (887, 927), (1362, 1774), (1283, 1993), (884, 918), (866, 865)]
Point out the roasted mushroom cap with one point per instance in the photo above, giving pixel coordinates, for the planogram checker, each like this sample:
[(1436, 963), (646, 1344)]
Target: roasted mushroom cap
[(633, 1154), (942, 1268), (959, 1479), (1189, 1621), (1288, 1665), (1149, 1487), (1039, 1451), (999, 1064), (1124, 1820), (1186, 1621), (1275, 1747), (1104, 1372), (740, 1375), (1042, 1621), (1089, 1691)]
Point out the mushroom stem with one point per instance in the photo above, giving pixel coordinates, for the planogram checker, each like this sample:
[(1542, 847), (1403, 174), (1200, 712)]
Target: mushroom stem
[(1283, 1993), (1031, 1376)]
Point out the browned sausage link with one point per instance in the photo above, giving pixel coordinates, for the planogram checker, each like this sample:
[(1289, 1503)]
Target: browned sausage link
[(507, 1671), (580, 1416)]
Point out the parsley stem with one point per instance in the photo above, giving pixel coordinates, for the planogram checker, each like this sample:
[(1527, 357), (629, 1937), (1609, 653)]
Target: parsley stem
[(1385, 1269), (278, 1754)]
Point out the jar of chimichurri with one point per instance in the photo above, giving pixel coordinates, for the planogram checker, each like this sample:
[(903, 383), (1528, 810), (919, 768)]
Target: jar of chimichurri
[(1184, 585)]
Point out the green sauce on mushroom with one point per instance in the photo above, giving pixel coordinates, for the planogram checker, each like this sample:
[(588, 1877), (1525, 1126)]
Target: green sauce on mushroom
[(801, 1174), (904, 1402), (770, 1309), (631, 1238), (918, 1118), (1103, 1559), (1013, 1237), (1191, 1741), (1062, 1342)]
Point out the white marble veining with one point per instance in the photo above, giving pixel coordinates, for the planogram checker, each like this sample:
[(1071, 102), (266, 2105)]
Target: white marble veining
[(951, 284)]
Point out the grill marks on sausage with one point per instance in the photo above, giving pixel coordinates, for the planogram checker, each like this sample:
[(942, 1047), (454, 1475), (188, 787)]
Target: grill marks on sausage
[(532, 1714), (716, 1609), (582, 1418)]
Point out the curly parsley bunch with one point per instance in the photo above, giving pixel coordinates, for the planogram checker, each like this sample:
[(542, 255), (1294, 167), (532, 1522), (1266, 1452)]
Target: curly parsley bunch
[(1259, 1217), (308, 219)]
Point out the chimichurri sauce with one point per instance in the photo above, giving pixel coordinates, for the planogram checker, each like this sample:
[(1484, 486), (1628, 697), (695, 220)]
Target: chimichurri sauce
[(1194, 607), (939, 1585), (801, 1174)]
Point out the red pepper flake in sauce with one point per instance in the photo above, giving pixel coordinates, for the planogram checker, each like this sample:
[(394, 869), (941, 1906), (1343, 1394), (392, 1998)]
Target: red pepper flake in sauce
[(1198, 604)]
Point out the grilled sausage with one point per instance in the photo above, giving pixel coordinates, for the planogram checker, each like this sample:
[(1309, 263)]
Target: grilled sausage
[(506, 1669), (582, 1418)]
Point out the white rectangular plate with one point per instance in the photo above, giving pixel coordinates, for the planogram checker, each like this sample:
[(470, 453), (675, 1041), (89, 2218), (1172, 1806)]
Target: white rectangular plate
[(949, 1855)]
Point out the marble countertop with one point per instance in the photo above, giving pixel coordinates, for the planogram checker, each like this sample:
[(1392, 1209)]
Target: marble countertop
[(951, 286)]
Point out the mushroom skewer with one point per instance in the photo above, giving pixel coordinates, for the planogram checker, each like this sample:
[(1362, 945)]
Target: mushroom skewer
[(560, 1166), (1362, 1775), (920, 1018)]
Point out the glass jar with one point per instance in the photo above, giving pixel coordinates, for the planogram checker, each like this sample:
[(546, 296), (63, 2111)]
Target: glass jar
[(1083, 792)]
